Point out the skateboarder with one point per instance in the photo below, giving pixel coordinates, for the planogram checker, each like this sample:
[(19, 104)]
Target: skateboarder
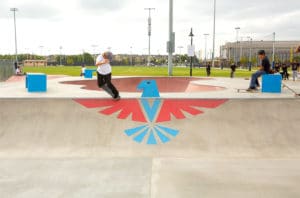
[(265, 68), (104, 75)]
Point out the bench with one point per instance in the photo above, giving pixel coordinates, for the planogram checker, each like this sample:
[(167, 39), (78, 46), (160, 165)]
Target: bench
[(89, 73), (271, 83), (36, 82)]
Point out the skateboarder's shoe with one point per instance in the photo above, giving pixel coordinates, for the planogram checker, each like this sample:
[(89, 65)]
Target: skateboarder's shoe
[(252, 89), (117, 98)]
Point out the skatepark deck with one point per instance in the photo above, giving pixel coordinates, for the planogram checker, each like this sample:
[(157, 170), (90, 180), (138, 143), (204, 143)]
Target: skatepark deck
[(73, 142)]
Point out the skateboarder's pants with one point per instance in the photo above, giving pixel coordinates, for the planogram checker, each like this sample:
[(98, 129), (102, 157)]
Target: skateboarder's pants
[(105, 80), (254, 79)]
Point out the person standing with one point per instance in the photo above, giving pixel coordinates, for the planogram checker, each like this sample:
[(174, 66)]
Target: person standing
[(104, 73), (16, 65), (82, 70), (277, 68), (208, 70), (285, 74), (233, 69), (265, 68), (295, 67), (19, 71)]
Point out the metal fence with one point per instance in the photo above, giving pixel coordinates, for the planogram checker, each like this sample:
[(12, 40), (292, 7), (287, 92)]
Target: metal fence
[(6, 69)]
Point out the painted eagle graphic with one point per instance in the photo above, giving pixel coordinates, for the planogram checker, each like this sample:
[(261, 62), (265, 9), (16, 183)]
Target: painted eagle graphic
[(152, 111)]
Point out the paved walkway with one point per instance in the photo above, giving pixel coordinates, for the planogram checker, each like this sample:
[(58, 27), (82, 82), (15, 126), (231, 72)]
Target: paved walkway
[(56, 89)]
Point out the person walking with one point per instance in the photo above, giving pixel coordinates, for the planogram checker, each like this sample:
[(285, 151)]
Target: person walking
[(104, 73), (265, 68)]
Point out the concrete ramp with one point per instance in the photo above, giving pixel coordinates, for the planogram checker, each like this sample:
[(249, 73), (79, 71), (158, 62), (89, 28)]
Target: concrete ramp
[(80, 148)]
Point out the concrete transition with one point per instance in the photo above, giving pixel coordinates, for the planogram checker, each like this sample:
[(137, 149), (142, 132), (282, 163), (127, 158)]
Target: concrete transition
[(161, 148), (165, 84)]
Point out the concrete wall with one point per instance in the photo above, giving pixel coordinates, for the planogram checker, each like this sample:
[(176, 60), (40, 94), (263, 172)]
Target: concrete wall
[(35, 63), (6, 69)]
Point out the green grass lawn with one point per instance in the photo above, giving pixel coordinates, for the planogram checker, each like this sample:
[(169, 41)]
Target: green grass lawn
[(137, 71)]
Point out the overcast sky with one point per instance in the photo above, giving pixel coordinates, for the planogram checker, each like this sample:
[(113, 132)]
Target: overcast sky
[(76, 25)]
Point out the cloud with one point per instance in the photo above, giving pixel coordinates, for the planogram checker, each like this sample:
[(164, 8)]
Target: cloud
[(126, 22), (38, 11), (4, 9), (103, 5), (32, 9)]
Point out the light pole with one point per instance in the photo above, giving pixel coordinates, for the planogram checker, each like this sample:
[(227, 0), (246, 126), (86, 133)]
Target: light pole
[(214, 35), (250, 53), (94, 51), (273, 56), (15, 25), (41, 47), (27, 53), (149, 34), (241, 50), (180, 52), (191, 65), (237, 42), (83, 58), (205, 51), (60, 61), (131, 60), (180, 49), (171, 43)]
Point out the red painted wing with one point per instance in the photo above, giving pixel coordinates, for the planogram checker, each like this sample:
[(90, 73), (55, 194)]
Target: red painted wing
[(124, 107), (177, 106)]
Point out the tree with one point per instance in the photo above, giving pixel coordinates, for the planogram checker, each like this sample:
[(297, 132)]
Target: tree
[(297, 58), (88, 59), (70, 60), (244, 60)]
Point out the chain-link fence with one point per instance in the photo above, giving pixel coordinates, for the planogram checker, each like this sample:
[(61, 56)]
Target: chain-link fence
[(6, 69)]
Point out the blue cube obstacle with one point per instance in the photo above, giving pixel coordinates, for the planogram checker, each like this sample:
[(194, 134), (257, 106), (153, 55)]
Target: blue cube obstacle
[(271, 83), (89, 73), (36, 82)]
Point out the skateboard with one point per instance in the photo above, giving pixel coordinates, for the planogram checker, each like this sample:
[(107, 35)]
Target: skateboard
[(246, 91), (292, 90)]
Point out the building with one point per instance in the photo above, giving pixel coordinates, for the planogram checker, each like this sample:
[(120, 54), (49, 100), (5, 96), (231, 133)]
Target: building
[(35, 63), (247, 50)]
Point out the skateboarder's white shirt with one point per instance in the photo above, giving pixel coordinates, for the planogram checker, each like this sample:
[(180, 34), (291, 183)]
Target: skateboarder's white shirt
[(105, 68)]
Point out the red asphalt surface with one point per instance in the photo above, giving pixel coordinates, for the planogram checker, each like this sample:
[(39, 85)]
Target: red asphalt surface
[(165, 84), (22, 78)]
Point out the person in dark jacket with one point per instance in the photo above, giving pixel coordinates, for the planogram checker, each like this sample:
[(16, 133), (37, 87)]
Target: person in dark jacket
[(208, 70), (277, 68), (233, 69), (285, 74), (265, 68)]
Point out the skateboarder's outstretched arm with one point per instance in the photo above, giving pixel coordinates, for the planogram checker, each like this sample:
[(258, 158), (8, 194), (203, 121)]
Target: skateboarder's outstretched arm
[(103, 62)]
